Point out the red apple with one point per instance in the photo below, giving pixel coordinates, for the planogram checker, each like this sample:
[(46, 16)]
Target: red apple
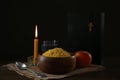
[(83, 58)]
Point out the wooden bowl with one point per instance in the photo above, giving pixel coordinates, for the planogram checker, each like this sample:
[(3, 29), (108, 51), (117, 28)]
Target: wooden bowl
[(56, 65)]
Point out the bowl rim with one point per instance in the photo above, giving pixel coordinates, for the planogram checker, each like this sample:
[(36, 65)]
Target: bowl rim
[(57, 57)]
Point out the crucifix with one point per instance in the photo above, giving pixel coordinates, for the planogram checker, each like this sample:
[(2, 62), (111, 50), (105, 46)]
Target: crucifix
[(90, 26)]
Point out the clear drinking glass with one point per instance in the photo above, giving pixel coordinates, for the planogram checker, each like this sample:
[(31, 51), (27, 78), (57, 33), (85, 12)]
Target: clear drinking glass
[(48, 44)]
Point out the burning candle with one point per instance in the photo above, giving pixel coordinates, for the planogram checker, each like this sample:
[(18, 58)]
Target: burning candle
[(35, 45)]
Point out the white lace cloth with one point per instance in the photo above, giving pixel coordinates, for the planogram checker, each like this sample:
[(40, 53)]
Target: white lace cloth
[(28, 74)]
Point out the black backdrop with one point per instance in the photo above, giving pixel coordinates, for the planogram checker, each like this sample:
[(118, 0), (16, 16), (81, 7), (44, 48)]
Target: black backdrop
[(18, 19)]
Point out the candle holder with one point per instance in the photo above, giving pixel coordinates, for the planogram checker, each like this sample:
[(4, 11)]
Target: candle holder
[(30, 60)]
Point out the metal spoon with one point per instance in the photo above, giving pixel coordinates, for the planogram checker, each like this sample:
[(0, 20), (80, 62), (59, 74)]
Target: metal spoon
[(23, 66)]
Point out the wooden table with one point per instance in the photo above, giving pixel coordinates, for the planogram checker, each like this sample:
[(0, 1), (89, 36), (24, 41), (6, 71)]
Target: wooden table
[(111, 73)]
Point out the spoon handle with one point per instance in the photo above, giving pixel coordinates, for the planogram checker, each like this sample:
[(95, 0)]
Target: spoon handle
[(31, 71), (37, 74)]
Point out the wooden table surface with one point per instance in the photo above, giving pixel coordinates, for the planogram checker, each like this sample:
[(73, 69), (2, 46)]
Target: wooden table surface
[(112, 72)]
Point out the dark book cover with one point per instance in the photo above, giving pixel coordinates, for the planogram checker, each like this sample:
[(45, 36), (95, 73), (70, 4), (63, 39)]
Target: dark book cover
[(85, 32)]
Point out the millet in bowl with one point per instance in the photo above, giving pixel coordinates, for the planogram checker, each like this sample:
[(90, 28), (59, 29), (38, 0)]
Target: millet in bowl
[(56, 61)]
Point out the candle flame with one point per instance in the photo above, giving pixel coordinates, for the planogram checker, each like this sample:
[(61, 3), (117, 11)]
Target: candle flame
[(36, 32)]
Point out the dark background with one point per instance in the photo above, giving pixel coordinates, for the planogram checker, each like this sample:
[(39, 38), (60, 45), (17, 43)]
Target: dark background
[(18, 18)]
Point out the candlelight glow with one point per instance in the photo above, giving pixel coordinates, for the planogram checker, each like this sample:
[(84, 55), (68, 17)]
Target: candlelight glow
[(36, 32)]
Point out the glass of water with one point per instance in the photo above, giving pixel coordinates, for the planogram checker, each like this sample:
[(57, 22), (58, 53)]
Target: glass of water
[(48, 44)]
